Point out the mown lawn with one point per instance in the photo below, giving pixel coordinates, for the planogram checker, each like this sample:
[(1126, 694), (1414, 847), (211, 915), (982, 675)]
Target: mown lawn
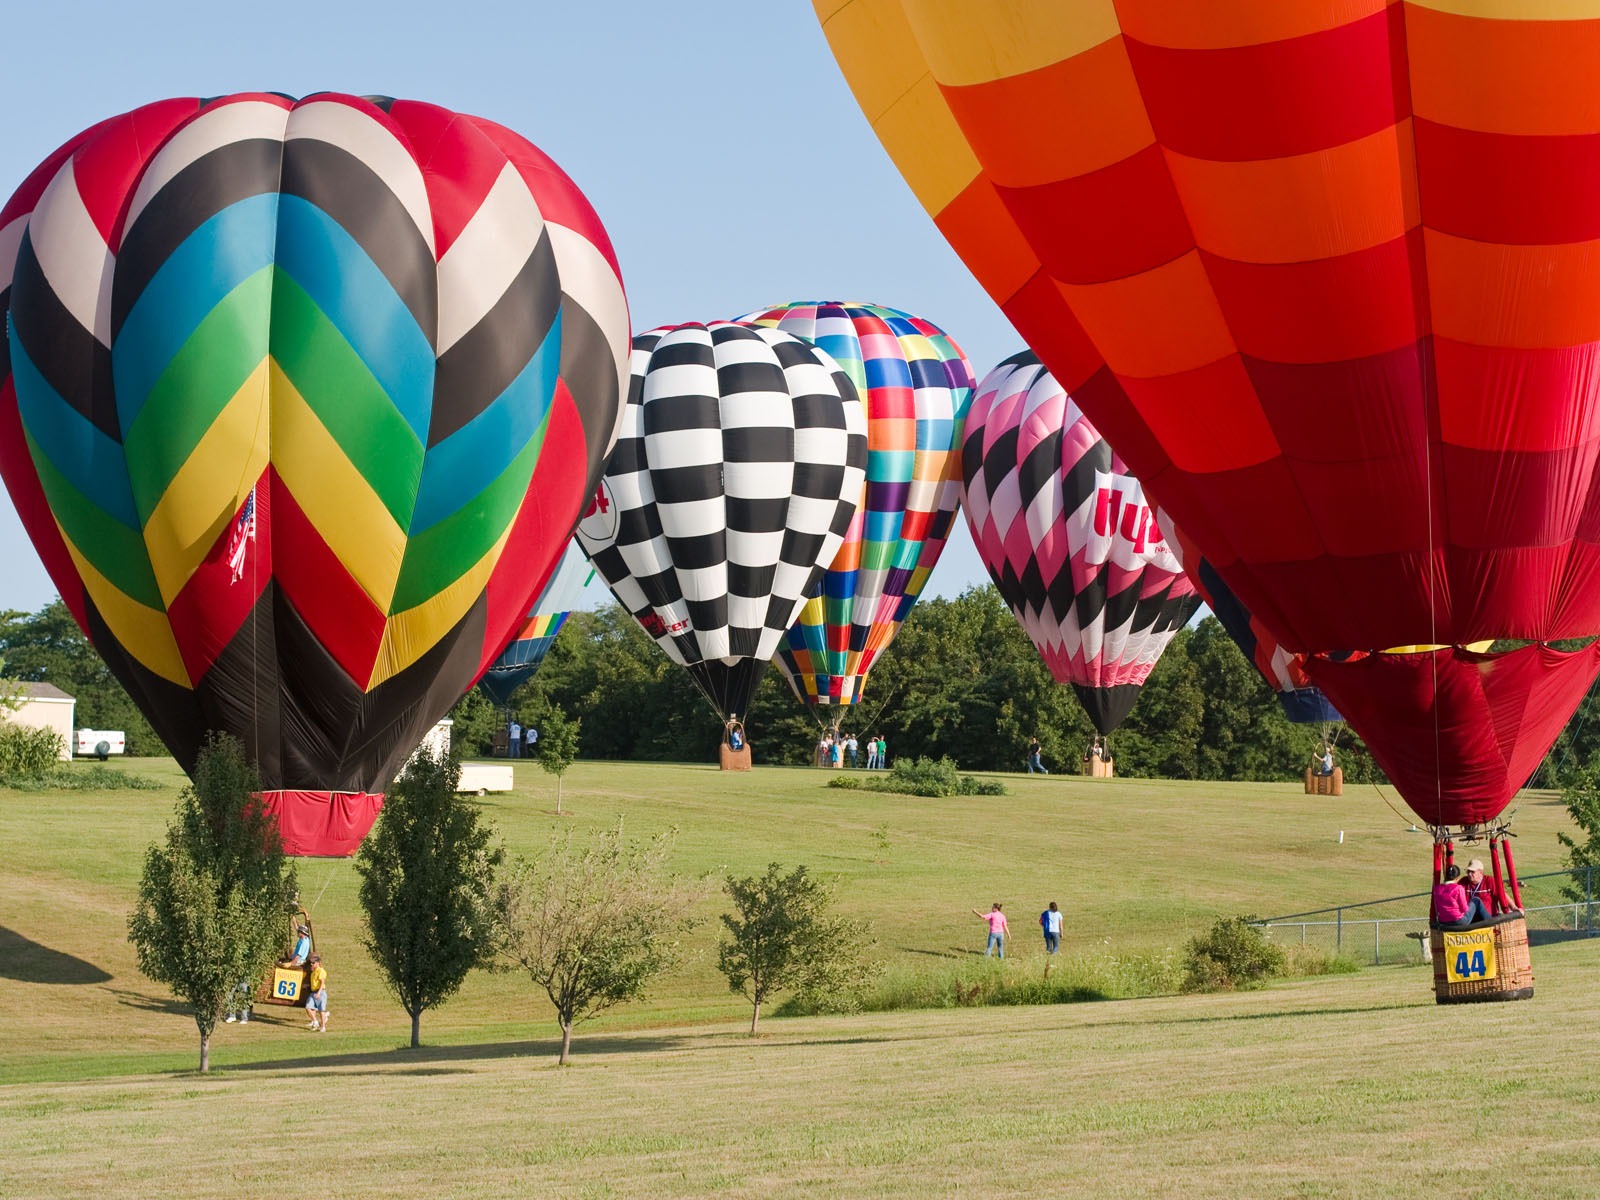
[(1354, 1085)]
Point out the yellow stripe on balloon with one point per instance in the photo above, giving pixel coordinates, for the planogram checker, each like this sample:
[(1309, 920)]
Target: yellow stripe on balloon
[(967, 43), (334, 495), (142, 631), (878, 55), (409, 635), (1475, 647), (1515, 10), (208, 490)]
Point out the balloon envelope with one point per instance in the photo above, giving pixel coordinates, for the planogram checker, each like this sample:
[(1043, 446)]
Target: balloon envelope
[(290, 412), (916, 384), (1373, 414), (1068, 539), (738, 471)]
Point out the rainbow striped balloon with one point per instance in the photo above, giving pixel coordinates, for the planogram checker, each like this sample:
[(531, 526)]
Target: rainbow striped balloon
[(917, 384), (300, 404)]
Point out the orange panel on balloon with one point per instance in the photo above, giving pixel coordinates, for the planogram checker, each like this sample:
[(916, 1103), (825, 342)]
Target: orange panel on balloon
[(994, 249), (1543, 296), (1098, 83), (1176, 299), (1530, 77), (1319, 205)]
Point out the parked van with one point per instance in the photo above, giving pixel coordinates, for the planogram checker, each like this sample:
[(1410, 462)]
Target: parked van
[(99, 743)]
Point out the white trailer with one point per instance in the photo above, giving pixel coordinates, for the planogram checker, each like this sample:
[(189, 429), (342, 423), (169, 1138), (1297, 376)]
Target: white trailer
[(99, 743), (483, 778)]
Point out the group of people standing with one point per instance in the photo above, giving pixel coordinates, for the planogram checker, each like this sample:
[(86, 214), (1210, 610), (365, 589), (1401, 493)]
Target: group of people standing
[(1050, 921), (839, 750), (517, 738)]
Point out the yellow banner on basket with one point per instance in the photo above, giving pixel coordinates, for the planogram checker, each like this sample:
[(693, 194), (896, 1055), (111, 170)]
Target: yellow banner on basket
[(1469, 955), (286, 983)]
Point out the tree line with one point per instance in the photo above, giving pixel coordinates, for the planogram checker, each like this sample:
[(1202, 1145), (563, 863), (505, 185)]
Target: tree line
[(961, 680)]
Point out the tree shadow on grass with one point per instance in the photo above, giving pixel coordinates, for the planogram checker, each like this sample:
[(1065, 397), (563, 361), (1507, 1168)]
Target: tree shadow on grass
[(426, 1060), (144, 1003), (27, 961), (952, 952)]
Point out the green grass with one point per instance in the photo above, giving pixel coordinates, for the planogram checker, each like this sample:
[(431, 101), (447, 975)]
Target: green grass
[(1348, 1085)]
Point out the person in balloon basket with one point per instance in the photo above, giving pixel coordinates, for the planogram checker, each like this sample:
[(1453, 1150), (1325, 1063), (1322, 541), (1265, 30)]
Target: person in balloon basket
[(317, 998), (998, 930), (1480, 891), (1322, 764), (1034, 762), (1050, 921), (1453, 908), (302, 947)]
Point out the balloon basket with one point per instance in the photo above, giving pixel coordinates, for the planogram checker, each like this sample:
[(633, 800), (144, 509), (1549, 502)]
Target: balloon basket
[(735, 760), (1099, 768), (1325, 785), (1487, 962)]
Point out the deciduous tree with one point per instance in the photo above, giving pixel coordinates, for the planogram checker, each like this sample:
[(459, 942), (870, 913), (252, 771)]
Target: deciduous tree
[(213, 895), (428, 873), (593, 924)]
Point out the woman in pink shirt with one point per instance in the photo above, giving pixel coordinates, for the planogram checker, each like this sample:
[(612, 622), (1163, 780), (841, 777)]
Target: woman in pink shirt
[(998, 929)]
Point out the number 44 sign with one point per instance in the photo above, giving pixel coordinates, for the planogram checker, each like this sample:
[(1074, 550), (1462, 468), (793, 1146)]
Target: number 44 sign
[(1469, 955)]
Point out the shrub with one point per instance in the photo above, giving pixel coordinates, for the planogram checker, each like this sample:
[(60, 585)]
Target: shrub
[(1234, 954), (922, 777), (60, 777), (25, 750)]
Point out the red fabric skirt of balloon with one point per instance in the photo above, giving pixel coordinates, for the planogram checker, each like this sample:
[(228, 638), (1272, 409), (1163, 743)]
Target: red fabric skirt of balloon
[(322, 824)]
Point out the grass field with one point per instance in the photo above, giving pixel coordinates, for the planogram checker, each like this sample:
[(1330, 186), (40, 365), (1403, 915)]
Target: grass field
[(1346, 1086)]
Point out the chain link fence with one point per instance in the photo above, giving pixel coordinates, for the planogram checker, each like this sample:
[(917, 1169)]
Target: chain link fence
[(1558, 905)]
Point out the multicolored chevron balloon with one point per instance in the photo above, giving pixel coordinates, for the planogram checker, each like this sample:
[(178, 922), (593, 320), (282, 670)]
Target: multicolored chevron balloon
[(1069, 540), (916, 384), (301, 401)]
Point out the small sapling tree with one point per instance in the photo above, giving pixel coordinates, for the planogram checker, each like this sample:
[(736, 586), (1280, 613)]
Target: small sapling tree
[(784, 936), (558, 745), (212, 899), (593, 924), (428, 874)]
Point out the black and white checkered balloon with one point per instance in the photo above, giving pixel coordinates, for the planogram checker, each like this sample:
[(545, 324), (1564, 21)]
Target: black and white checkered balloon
[(738, 470)]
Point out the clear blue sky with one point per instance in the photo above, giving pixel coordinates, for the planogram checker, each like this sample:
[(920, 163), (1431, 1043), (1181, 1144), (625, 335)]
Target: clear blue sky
[(717, 141)]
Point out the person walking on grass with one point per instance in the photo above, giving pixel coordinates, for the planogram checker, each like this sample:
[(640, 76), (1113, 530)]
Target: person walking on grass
[(998, 930), (1050, 922), (317, 1001)]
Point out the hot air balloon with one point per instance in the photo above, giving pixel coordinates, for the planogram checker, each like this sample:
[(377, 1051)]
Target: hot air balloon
[(301, 402), (1374, 414), (521, 660), (1069, 540), (738, 471), (916, 385)]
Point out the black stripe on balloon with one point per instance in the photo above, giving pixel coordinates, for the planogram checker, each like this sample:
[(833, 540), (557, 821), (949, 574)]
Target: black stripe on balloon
[(688, 348), (759, 515), (730, 686), (65, 353), (1079, 482), (711, 613), (590, 372), (214, 181), (670, 414), (352, 194), (813, 411), (635, 526), (1039, 467), (242, 692), (738, 377), (685, 485), (171, 709), (725, 332), (999, 462), (1090, 601), (1107, 707), (1031, 585), (1121, 606), (380, 102), (698, 552), (478, 368), (758, 444), (818, 481), (1147, 613), (747, 580), (335, 737), (800, 550)]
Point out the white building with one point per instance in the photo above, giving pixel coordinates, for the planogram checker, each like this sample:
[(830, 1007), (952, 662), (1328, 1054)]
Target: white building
[(45, 706)]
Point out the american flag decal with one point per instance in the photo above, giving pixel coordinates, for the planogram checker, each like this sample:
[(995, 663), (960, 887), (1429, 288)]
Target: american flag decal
[(244, 532)]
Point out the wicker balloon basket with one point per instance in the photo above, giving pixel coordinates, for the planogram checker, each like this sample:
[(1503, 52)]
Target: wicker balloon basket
[(735, 755), (1325, 785), (1487, 962)]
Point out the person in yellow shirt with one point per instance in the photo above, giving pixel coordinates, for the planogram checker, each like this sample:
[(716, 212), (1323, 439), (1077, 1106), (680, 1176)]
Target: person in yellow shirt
[(317, 1002)]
